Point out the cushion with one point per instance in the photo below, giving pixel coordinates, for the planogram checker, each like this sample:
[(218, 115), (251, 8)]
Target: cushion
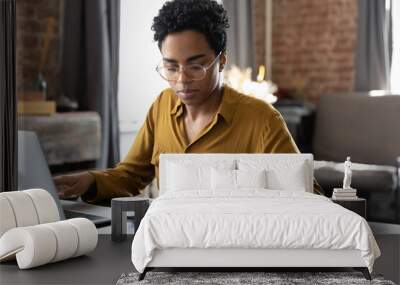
[(40, 244), (223, 179), (236, 179), (282, 174), (23, 208), (285, 163), (45, 205), (184, 175), (27, 208), (7, 216), (251, 178)]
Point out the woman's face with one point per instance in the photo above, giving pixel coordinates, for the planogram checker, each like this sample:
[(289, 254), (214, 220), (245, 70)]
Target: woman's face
[(191, 47)]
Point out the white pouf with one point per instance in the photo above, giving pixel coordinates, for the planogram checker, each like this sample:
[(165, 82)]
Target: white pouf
[(40, 244)]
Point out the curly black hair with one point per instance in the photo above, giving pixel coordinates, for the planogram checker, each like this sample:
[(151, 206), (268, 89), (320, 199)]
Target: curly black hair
[(204, 16)]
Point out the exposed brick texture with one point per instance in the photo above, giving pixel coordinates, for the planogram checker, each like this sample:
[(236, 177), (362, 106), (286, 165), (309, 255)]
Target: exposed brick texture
[(313, 45), (31, 27), (258, 24)]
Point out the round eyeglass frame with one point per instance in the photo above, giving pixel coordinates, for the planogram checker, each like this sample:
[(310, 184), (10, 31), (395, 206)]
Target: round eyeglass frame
[(182, 69)]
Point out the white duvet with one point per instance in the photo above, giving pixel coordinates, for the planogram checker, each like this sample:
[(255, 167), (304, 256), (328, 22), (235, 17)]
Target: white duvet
[(250, 219)]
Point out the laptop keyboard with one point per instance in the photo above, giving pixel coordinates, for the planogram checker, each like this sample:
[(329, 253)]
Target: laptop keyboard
[(97, 220)]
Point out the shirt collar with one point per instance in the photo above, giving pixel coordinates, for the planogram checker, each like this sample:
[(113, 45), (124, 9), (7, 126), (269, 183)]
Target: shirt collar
[(177, 109), (228, 104)]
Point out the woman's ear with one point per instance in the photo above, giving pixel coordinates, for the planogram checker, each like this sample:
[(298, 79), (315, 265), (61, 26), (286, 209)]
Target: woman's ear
[(222, 61)]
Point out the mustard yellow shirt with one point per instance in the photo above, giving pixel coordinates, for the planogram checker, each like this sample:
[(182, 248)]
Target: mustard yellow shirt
[(242, 124)]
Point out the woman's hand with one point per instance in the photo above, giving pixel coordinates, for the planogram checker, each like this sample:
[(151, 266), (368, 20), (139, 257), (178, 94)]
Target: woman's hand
[(73, 185)]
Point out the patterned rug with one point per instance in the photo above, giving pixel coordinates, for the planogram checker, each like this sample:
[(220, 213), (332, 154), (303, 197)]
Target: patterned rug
[(242, 278)]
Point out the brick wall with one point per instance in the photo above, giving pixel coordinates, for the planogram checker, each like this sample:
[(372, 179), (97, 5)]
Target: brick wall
[(258, 24), (32, 21), (313, 44)]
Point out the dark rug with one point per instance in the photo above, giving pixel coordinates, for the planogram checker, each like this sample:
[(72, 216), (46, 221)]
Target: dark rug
[(229, 278)]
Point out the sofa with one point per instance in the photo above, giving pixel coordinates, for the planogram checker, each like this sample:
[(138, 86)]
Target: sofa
[(367, 129)]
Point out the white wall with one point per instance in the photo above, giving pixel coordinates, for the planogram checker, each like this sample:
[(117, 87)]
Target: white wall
[(139, 83), (395, 68)]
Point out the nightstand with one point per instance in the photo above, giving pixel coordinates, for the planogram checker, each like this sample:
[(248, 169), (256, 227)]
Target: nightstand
[(358, 206)]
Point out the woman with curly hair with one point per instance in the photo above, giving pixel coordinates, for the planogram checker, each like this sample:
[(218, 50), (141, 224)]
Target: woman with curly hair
[(197, 114)]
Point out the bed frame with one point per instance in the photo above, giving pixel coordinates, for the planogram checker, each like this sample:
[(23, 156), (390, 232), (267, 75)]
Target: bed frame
[(242, 258)]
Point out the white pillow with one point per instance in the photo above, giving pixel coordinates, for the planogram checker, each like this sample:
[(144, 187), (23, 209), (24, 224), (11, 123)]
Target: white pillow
[(235, 179), (223, 179), (282, 174), (184, 175), (251, 178)]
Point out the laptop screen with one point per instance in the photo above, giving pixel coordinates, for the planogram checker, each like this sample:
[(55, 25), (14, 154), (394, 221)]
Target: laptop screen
[(33, 171)]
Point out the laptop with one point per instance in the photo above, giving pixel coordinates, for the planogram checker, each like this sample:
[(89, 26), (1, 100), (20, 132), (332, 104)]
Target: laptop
[(33, 172)]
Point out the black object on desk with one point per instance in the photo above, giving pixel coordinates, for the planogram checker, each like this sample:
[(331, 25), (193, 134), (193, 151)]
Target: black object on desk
[(358, 205), (299, 119), (119, 207)]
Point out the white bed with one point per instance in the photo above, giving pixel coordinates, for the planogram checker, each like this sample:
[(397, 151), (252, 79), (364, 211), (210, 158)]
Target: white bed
[(247, 210)]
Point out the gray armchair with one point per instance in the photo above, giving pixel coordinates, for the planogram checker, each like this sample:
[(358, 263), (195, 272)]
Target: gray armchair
[(367, 129)]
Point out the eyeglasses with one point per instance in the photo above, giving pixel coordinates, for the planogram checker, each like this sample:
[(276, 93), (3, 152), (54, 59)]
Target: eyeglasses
[(193, 71)]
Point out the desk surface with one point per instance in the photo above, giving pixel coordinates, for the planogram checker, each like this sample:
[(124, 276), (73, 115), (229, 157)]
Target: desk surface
[(102, 266), (110, 259)]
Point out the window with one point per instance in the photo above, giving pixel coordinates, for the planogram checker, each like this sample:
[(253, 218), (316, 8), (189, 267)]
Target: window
[(139, 83), (395, 68)]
